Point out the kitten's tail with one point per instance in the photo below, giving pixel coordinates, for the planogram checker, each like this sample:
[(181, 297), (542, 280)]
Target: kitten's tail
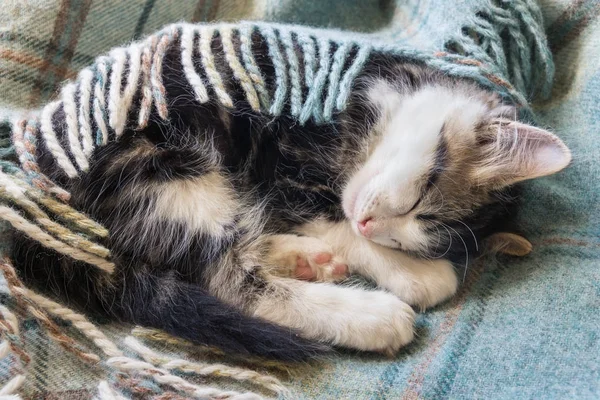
[(189, 312), (161, 302)]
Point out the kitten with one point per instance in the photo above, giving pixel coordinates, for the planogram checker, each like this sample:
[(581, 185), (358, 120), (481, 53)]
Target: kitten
[(214, 213)]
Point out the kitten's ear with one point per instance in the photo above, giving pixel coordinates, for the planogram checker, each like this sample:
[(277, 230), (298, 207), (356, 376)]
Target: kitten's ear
[(508, 243), (514, 152)]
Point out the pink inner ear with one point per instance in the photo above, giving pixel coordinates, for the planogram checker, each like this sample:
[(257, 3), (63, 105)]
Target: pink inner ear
[(522, 152), (550, 158)]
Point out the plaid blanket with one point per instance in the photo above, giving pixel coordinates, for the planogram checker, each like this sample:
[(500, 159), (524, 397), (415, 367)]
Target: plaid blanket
[(519, 328)]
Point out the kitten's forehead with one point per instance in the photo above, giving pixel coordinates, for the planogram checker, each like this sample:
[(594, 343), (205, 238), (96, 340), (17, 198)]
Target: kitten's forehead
[(414, 123), (426, 136), (431, 105)]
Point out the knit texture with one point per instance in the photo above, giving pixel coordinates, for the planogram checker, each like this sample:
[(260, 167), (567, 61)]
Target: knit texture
[(507, 334)]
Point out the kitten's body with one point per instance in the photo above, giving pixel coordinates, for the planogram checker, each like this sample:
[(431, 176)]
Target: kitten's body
[(206, 209)]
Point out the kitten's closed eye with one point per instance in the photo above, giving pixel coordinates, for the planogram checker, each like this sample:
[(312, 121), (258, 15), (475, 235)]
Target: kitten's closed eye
[(414, 206), (448, 165)]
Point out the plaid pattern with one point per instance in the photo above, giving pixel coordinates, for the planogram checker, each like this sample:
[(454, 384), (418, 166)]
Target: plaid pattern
[(519, 328)]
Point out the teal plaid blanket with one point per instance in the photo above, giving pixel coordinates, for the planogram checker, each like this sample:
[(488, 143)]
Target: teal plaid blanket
[(519, 328)]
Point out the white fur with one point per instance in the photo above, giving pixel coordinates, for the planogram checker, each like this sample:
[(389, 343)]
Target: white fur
[(423, 283), (345, 316), (206, 204), (390, 183)]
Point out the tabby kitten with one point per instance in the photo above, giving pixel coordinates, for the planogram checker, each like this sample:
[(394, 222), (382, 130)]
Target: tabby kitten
[(214, 213)]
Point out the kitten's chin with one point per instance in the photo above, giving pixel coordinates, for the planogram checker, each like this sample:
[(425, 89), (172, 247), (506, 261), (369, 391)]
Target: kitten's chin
[(386, 242), (348, 204)]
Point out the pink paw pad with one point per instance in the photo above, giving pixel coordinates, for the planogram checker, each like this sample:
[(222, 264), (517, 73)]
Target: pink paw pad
[(318, 267), (340, 269), (303, 270)]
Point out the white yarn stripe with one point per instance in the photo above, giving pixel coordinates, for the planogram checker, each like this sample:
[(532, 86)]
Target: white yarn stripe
[(18, 127), (85, 93), (187, 51), (47, 130), (130, 88), (238, 69), (208, 61), (119, 57), (203, 369), (9, 186), (146, 103), (78, 320), (12, 320), (164, 377), (72, 131), (251, 66), (13, 385), (105, 392), (99, 100), (4, 349), (156, 78), (33, 231)]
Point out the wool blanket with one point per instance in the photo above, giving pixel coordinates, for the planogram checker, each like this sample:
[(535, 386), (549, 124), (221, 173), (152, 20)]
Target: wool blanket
[(519, 328)]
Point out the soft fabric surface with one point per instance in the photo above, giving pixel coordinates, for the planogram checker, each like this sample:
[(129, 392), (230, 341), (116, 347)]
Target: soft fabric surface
[(519, 328)]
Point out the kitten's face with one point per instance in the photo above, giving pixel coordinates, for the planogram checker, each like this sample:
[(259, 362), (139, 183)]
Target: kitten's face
[(439, 165)]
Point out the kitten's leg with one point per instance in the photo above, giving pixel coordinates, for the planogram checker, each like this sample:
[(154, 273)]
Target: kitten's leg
[(345, 316), (422, 283), (305, 258)]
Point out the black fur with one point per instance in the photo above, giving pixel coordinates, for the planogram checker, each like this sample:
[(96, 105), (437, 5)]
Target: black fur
[(297, 171)]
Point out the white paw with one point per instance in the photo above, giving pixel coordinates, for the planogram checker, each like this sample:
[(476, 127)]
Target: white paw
[(387, 326), (343, 316), (306, 258), (365, 320), (429, 285)]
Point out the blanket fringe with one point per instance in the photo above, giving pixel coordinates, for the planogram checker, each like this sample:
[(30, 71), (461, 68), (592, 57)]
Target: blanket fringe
[(506, 34), (152, 365)]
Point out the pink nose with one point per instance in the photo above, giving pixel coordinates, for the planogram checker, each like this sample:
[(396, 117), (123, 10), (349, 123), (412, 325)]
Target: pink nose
[(365, 227)]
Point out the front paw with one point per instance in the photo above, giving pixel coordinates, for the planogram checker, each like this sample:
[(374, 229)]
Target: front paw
[(429, 284), (372, 321), (394, 328), (306, 258)]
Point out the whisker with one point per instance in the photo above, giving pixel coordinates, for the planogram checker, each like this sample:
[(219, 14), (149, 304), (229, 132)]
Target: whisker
[(466, 251), (441, 194), (470, 230), (439, 236)]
